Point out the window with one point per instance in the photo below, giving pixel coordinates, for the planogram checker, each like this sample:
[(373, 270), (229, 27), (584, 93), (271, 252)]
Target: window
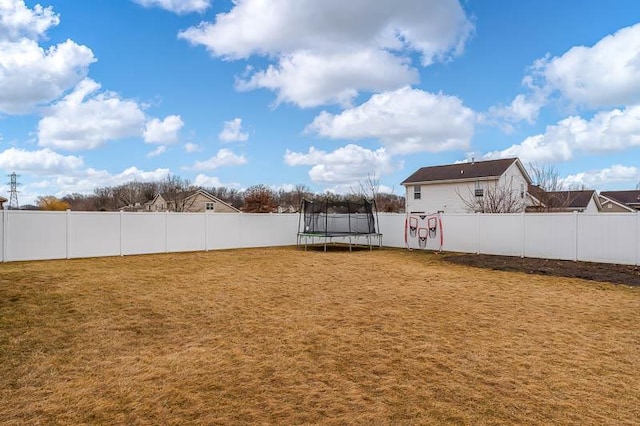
[(416, 192), (209, 206), (522, 190), (479, 191), (610, 206)]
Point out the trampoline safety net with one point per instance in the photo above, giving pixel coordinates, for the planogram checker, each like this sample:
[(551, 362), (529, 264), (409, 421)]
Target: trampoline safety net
[(325, 218)]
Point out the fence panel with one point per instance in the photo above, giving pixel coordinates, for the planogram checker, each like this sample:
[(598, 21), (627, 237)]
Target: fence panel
[(186, 232), (36, 235), (3, 216), (550, 235), (607, 238), (144, 233), (500, 234), (460, 232), (391, 226), (223, 231), (263, 230), (94, 234)]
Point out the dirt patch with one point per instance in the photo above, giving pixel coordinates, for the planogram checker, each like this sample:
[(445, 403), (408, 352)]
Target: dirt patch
[(604, 272)]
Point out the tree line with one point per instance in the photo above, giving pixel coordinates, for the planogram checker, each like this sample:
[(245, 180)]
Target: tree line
[(255, 199)]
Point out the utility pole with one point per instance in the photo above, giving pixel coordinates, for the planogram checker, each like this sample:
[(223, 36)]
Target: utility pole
[(13, 198)]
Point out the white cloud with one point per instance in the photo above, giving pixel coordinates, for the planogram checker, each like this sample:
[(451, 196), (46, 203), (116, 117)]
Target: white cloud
[(213, 181), (312, 41), (232, 131), (79, 121), (339, 77), (180, 7), (405, 121), (85, 181), (223, 158), (434, 29), (163, 131), (18, 21), (346, 165), (158, 151), (606, 74), (607, 131), (522, 108), (192, 147), (31, 75), (41, 162), (616, 174)]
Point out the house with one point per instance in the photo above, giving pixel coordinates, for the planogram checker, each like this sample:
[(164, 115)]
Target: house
[(2, 201), (583, 201), (197, 200), (620, 201), (468, 187)]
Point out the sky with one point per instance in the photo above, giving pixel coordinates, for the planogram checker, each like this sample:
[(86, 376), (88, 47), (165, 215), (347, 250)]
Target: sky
[(322, 93)]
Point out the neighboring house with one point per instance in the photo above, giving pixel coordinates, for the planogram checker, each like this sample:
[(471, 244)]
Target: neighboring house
[(198, 200), (290, 209), (137, 207), (451, 188), (2, 201), (586, 201), (620, 201)]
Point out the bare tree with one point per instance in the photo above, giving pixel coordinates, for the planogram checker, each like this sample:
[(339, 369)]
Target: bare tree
[(105, 199), (549, 189), (369, 188), (300, 192), (128, 194), (259, 199), (177, 192), (545, 176), (497, 198), (81, 202)]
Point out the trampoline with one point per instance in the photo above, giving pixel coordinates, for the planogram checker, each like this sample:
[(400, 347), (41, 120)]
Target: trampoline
[(326, 222)]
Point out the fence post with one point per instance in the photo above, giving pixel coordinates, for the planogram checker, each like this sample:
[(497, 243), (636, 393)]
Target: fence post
[(68, 236), (637, 238), (121, 233), (478, 233), (206, 230), (166, 231), (523, 234), (575, 234), (5, 244)]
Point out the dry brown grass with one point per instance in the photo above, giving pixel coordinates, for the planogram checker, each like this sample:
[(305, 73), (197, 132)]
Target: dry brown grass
[(286, 336)]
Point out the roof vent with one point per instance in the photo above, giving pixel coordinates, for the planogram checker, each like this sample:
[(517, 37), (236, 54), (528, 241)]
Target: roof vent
[(461, 172)]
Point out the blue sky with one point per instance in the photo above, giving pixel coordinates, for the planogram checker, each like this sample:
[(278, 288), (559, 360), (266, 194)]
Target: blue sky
[(100, 92)]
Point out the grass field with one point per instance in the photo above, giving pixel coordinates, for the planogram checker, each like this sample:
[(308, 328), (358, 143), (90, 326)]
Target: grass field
[(285, 336)]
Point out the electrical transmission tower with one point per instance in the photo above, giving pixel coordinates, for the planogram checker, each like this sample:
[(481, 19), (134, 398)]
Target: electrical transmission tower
[(13, 184)]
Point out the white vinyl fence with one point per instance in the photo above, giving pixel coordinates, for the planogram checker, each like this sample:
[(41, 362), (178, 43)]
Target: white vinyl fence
[(604, 237), (27, 235), (37, 235)]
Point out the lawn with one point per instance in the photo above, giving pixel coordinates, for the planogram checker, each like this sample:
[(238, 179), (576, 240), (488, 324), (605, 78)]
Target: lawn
[(285, 336)]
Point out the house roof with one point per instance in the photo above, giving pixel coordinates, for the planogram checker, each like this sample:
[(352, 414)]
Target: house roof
[(629, 198), (574, 199), (464, 171), (565, 200), (191, 193)]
